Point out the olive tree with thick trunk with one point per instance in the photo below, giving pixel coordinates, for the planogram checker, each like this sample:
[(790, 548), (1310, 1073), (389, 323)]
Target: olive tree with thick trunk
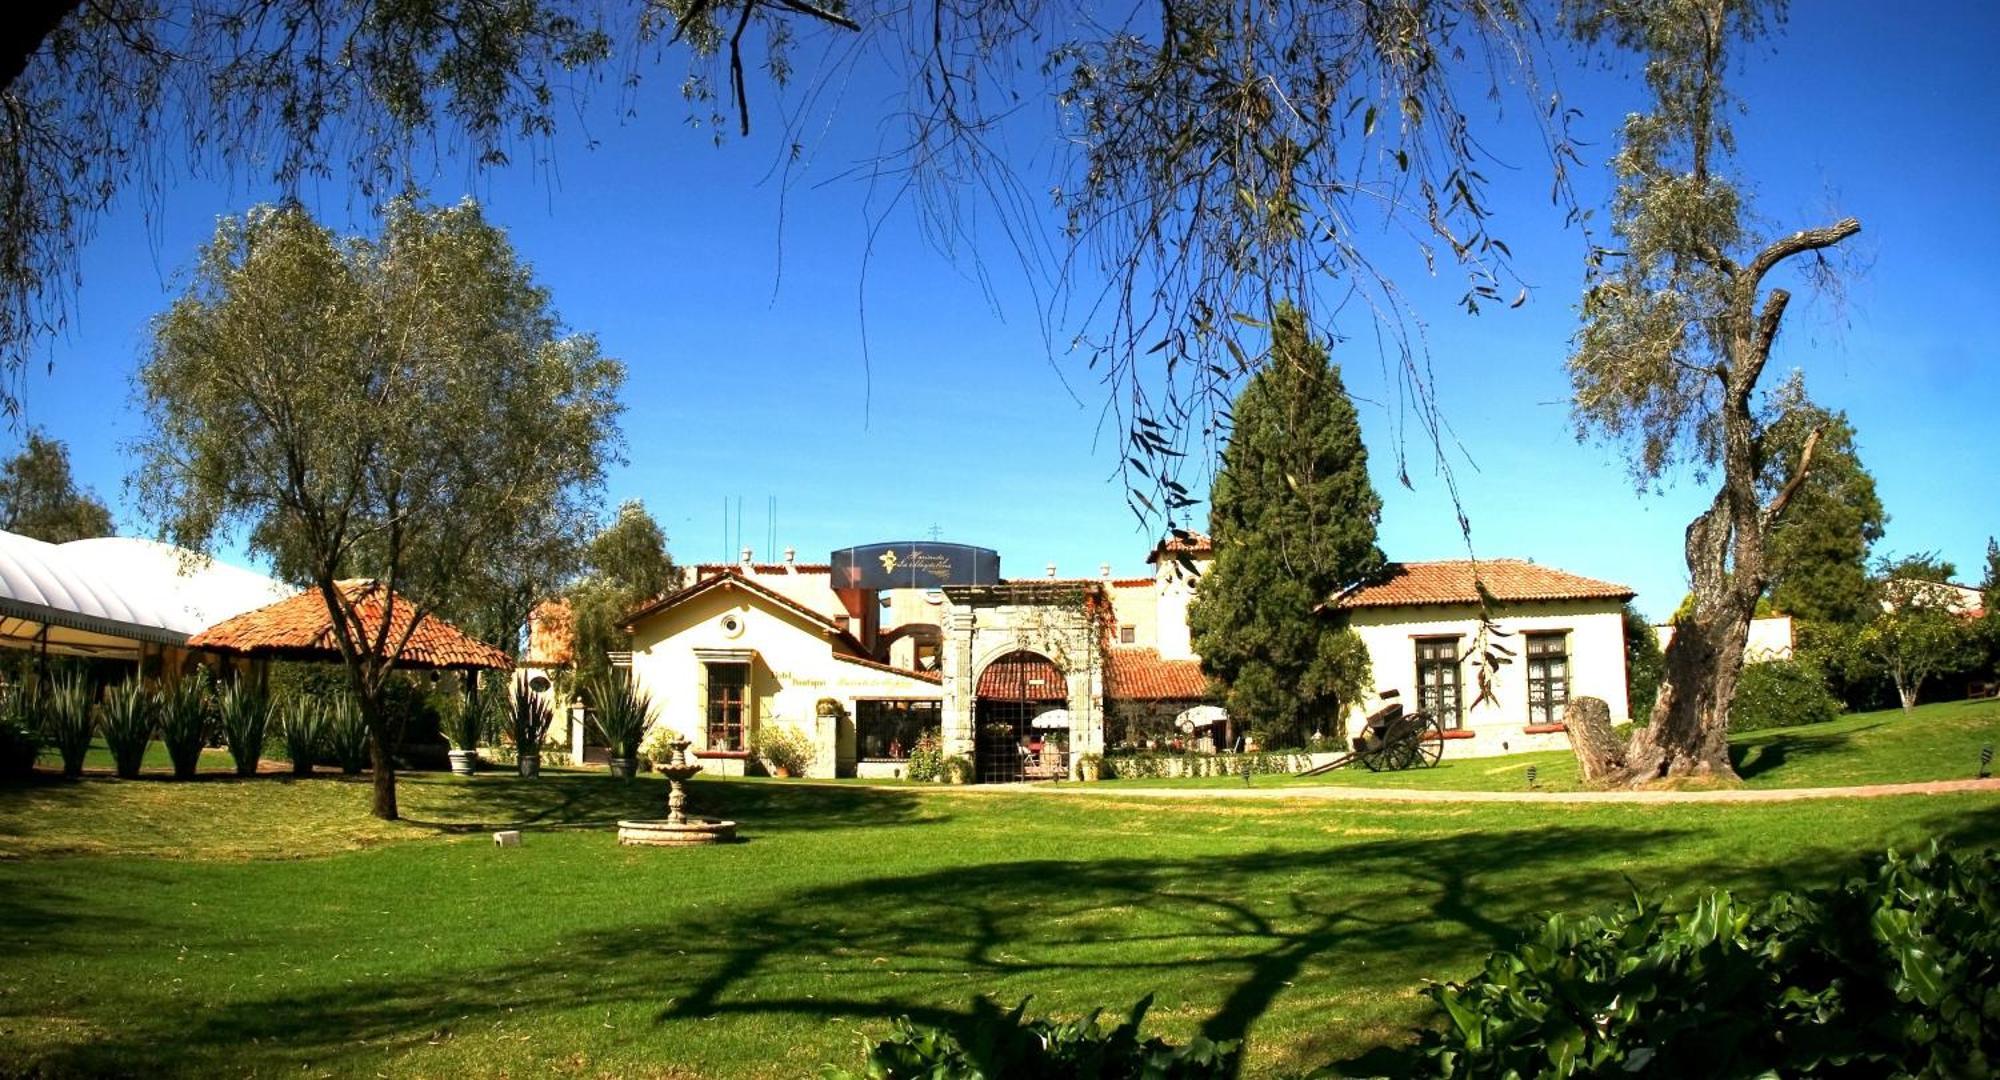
[(405, 408), (1678, 328)]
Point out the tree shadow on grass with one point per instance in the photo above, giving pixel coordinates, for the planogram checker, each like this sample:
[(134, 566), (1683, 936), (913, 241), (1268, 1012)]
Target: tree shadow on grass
[(1228, 935), (585, 800), (1225, 937), (1765, 755)]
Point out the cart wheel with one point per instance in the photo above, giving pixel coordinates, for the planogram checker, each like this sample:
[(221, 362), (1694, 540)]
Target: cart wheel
[(1376, 759), (1430, 743)]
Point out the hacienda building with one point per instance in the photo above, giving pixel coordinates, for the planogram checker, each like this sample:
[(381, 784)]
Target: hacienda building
[(888, 644)]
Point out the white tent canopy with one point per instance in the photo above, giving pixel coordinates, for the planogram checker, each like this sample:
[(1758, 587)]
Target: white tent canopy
[(114, 595)]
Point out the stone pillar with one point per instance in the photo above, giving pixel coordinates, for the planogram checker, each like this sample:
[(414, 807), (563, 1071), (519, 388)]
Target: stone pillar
[(956, 666)]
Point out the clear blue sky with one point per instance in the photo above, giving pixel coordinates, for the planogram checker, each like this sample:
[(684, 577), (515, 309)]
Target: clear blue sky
[(743, 332)]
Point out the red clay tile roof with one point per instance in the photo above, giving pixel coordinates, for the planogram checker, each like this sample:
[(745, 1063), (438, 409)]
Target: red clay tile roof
[(1134, 582), (732, 577), (926, 676), (1185, 542), (1452, 582), (1139, 674), (1023, 676), (300, 628)]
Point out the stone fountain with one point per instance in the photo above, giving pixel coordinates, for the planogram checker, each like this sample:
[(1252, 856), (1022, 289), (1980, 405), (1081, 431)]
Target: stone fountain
[(677, 829)]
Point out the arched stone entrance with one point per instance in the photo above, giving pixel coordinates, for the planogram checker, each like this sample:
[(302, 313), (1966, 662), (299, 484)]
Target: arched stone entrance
[(1020, 720)]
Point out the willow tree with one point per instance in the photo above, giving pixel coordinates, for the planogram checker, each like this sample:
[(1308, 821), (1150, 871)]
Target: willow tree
[(1678, 328), (406, 408), (1208, 156)]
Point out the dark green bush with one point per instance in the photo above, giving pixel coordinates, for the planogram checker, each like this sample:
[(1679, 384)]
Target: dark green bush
[(1781, 693), (20, 743), (1896, 973), (1005, 1046)]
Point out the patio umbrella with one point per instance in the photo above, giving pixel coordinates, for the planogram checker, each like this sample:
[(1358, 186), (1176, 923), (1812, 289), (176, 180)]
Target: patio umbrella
[(299, 628)]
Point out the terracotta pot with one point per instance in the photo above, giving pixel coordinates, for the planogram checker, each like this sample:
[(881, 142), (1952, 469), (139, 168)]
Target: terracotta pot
[(530, 765), (622, 767), (1088, 771), (464, 762), (781, 772)]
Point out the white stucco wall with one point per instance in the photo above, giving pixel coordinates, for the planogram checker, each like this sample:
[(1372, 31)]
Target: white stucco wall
[(792, 667), (1596, 664), (1770, 638)]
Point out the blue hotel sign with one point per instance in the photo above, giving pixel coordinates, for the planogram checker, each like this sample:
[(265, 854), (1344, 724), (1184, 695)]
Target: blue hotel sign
[(914, 564)]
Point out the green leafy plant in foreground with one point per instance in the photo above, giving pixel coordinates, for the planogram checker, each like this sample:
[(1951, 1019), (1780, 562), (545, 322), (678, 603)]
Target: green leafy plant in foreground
[(245, 713), (131, 716), (185, 722), (346, 735), (1005, 1046), (302, 725), (69, 719), (1895, 973)]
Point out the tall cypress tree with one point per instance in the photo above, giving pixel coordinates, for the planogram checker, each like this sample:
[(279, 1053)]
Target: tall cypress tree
[(1292, 515), (1818, 553)]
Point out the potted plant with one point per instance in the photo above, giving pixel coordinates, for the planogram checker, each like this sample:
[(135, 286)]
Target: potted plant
[(246, 717), (20, 743), (528, 721), (131, 716), (184, 722), (957, 770), (1090, 767), (786, 751), (622, 713), (829, 709), (471, 713), (69, 720)]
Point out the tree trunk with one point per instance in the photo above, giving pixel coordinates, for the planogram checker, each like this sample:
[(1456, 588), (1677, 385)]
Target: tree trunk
[(1600, 753), (1907, 694), (1688, 732), (385, 776)]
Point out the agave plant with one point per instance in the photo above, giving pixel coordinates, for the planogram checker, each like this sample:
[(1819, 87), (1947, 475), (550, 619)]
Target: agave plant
[(131, 718), (185, 722), (68, 719), (347, 734), (470, 719), (528, 720), (246, 717), (622, 713), (302, 723)]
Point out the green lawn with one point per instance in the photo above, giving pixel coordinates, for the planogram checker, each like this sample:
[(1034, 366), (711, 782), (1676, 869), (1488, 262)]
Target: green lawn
[(268, 926), (1934, 742)]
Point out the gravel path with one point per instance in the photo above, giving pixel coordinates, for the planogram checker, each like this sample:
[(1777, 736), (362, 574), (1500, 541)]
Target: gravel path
[(1415, 795)]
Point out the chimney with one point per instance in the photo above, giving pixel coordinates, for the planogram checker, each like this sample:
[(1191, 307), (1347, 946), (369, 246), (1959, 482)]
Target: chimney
[(1052, 570), (1104, 570), (746, 558), (791, 557)]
